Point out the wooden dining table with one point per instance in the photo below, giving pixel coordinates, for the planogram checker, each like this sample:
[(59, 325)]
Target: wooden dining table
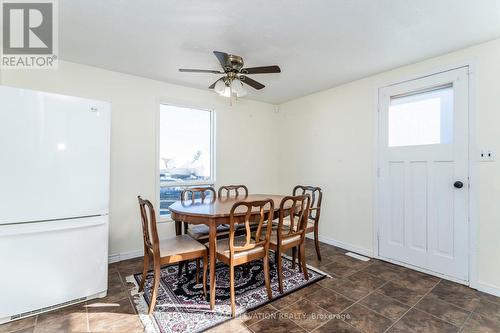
[(213, 213)]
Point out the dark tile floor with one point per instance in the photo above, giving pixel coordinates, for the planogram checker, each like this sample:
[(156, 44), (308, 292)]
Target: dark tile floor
[(371, 296)]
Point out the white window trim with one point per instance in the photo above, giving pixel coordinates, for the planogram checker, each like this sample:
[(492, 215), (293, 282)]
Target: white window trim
[(158, 186)]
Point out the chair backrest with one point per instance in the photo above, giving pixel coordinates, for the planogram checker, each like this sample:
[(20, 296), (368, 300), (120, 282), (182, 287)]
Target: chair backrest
[(202, 193), (316, 197), (246, 212), (149, 231), (236, 189), (296, 210)]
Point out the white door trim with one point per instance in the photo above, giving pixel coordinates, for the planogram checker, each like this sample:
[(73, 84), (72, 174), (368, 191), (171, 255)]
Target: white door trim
[(473, 170)]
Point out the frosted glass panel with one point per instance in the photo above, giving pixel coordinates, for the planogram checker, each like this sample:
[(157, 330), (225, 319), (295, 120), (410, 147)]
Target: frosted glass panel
[(422, 118)]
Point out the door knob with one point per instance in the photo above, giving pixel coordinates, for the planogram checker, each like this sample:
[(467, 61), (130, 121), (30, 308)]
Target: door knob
[(458, 184)]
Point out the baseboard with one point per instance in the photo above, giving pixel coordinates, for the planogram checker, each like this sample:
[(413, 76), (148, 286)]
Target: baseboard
[(112, 258), (346, 246), (488, 288)]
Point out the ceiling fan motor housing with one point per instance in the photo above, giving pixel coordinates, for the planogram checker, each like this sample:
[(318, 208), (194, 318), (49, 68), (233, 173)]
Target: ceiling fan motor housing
[(235, 61)]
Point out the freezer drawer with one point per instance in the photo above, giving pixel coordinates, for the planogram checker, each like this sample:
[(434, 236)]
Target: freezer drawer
[(48, 263)]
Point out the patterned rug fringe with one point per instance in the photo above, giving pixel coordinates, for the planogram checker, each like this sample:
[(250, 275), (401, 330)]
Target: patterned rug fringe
[(150, 325)]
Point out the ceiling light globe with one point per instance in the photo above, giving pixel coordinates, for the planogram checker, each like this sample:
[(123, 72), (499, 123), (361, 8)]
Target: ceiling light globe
[(237, 88), (220, 87), (226, 92)]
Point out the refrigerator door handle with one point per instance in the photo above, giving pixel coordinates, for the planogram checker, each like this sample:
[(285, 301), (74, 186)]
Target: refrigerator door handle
[(51, 226)]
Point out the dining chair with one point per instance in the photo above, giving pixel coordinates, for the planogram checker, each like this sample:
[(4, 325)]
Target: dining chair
[(314, 211), (230, 189), (236, 192), (291, 233), (200, 232), (166, 251), (240, 250)]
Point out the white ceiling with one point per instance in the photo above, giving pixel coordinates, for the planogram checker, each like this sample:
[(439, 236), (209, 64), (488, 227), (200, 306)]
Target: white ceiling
[(318, 44)]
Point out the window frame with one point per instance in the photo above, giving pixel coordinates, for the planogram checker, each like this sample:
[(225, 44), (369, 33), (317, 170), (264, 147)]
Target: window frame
[(159, 185)]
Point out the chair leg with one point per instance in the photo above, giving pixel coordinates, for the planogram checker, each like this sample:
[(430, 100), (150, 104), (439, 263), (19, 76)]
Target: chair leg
[(205, 266), (156, 284), (280, 271), (231, 283), (267, 278), (197, 270), (302, 249), (144, 270), (298, 259), (181, 227), (316, 241), (294, 256), (179, 268)]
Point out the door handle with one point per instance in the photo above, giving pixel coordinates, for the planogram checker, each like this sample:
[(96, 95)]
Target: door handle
[(458, 184)]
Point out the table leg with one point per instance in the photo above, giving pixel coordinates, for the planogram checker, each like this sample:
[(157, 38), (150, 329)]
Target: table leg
[(178, 228), (213, 250), (178, 232)]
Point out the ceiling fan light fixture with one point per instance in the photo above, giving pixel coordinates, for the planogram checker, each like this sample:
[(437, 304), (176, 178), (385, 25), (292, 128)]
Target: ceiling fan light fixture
[(237, 88), (220, 87), (226, 92), (231, 84)]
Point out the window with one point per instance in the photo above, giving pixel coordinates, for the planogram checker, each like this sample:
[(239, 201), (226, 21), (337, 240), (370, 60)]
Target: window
[(186, 154), (422, 118)]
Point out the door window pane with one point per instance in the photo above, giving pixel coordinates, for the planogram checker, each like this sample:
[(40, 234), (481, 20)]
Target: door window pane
[(421, 118)]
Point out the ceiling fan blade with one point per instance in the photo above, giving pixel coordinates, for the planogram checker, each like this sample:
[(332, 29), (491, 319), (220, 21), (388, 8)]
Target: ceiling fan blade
[(252, 83), (212, 86), (223, 59), (261, 70), (187, 70)]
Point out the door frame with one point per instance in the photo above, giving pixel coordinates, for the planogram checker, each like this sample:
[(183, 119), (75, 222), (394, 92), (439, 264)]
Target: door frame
[(472, 164)]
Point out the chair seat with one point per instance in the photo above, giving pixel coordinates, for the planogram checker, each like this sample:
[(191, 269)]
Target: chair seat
[(201, 231), (179, 245), (223, 247), (286, 222), (274, 238)]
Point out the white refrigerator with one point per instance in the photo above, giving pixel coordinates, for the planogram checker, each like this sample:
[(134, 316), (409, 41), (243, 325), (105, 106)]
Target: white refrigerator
[(54, 200)]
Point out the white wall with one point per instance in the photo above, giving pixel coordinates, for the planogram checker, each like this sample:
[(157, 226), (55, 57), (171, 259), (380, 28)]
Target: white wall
[(246, 145), (335, 129), (326, 138)]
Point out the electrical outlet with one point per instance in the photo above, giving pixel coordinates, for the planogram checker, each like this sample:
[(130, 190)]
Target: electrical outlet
[(487, 155)]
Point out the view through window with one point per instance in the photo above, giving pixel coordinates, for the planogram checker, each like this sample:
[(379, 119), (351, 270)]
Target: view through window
[(185, 152), (422, 118)]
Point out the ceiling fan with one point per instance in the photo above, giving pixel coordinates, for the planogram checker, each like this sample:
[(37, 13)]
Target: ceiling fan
[(234, 75)]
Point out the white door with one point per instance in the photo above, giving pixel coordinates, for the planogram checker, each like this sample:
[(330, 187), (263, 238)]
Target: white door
[(423, 173)]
